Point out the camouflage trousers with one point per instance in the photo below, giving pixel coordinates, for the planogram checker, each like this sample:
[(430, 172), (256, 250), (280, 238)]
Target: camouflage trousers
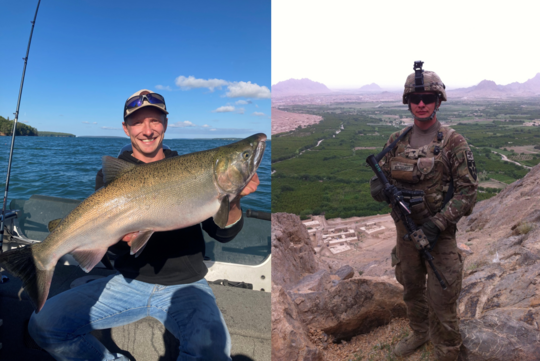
[(429, 307)]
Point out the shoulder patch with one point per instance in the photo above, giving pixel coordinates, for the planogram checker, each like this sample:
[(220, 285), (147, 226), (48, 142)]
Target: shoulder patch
[(471, 165)]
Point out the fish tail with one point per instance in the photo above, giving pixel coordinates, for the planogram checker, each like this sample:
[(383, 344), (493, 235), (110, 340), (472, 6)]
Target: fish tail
[(20, 263)]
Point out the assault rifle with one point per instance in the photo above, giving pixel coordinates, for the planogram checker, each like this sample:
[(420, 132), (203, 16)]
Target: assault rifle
[(395, 197)]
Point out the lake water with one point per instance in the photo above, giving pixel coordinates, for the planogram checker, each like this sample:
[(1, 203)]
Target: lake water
[(67, 167)]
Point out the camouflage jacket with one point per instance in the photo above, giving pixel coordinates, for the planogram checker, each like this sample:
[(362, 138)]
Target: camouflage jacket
[(431, 168)]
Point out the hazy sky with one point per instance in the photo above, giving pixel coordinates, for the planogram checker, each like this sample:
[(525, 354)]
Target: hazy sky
[(209, 59), (347, 44)]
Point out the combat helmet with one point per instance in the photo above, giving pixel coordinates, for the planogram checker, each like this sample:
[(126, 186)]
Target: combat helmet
[(421, 81)]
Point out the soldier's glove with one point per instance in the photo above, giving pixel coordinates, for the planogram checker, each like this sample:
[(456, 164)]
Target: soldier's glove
[(432, 233), (377, 190)]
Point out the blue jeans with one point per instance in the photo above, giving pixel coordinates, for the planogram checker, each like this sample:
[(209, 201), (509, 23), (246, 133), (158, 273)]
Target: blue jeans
[(188, 311)]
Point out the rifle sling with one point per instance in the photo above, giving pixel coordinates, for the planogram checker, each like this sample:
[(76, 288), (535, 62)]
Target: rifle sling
[(391, 146)]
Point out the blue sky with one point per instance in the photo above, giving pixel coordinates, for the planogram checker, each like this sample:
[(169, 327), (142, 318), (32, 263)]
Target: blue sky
[(209, 59)]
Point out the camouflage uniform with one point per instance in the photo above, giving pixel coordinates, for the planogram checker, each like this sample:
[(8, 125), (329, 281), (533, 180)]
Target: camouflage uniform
[(431, 168)]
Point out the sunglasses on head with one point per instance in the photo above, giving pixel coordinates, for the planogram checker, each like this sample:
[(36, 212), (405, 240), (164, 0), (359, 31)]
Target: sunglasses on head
[(137, 101), (426, 98)]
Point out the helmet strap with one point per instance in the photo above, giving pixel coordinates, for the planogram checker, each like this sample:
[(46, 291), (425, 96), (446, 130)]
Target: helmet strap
[(427, 119)]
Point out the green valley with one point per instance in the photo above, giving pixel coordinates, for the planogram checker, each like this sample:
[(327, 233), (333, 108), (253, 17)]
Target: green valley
[(321, 168)]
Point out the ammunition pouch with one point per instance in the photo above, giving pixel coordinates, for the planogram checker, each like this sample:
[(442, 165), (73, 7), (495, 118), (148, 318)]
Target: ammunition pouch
[(376, 189), (404, 169), (410, 170)]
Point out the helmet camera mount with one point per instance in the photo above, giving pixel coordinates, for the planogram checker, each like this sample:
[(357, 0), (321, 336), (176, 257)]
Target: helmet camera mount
[(419, 87), (418, 76)]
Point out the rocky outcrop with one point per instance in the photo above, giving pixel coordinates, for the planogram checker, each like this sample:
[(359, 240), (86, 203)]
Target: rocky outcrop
[(292, 259), (289, 335), (499, 306), (306, 295), (500, 298), (497, 337), (293, 256)]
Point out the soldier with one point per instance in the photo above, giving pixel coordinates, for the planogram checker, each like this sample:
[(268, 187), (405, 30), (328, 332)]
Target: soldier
[(438, 161)]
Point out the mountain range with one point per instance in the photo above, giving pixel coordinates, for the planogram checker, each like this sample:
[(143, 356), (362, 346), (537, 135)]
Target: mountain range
[(489, 89), (484, 89), (298, 87)]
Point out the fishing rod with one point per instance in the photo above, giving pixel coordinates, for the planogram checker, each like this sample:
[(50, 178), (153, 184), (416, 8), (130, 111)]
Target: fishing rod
[(3, 216)]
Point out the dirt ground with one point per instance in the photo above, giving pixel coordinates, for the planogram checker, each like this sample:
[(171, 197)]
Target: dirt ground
[(285, 121), (492, 184), (527, 149), (374, 346)]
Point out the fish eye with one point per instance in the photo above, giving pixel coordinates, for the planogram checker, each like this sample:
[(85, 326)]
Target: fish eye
[(246, 154)]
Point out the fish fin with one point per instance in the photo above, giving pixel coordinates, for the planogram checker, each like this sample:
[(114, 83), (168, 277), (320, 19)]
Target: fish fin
[(88, 258), (222, 216), (20, 263), (139, 242), (53, 224), (114, 168)]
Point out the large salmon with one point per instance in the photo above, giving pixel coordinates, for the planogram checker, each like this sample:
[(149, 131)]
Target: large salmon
[(161, 196)]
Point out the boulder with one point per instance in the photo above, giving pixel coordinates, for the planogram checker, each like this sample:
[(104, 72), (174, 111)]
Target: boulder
[(290, 339), (346, 308), (345, 272)]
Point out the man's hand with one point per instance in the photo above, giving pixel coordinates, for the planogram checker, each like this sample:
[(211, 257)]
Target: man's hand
[(432, 233), (251, 186), (235, 213), (130, 237)]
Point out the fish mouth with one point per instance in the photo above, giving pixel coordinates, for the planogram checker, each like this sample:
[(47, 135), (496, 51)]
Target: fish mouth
[(259, 151)]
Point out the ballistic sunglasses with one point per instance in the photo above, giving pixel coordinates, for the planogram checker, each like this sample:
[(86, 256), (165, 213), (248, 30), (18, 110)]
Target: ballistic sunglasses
[(137, 101), (415, 98)]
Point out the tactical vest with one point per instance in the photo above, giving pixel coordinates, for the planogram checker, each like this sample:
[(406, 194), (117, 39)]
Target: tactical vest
[(426, 168)]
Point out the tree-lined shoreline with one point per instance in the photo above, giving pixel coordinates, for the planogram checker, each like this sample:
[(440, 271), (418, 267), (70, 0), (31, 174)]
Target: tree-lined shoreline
[(6, 129)]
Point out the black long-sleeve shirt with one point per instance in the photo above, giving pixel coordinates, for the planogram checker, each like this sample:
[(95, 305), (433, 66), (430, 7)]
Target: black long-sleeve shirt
[(172, 257)]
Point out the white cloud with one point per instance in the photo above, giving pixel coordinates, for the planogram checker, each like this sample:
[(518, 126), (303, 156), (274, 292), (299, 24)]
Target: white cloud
[(161, 87), (206, 126), (192, 83), (240, 110), (224, 109), (110, 128), (243, 102), (185, 123), (94, 123), (86, 122), (258, 114), (247, 90)]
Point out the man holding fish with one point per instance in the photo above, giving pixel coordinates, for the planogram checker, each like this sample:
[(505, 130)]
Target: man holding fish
[(163, 276)]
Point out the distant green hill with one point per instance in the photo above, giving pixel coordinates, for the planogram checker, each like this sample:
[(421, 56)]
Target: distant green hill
[(55, 134), (6, 128)]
